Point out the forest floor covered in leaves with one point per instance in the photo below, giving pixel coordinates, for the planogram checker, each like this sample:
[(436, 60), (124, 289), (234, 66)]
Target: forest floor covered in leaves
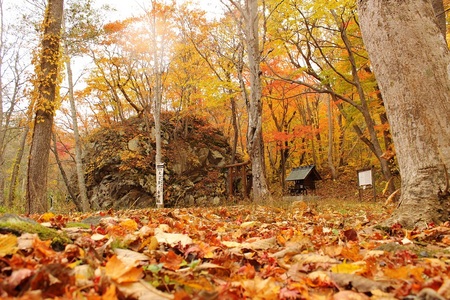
[(321, 249)]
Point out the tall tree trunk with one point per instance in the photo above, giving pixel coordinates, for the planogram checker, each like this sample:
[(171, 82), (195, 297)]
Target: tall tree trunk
[(340, 143), (157, 99), (234, 122), (255, 144), (330, 140), (16, 166), (82, 191), (69, 187), (410, 59), (2, 128), (46, 97)]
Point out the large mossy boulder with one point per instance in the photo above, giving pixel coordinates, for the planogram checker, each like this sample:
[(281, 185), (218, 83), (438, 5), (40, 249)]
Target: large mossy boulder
[(120, 163)]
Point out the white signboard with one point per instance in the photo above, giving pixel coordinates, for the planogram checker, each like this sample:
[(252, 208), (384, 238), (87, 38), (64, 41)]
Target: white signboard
[(365, 177), (159, 185)]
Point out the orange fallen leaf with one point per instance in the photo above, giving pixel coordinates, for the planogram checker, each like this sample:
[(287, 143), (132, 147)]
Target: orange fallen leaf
[(111, 293), (120, 272), (171, 261), (405, 272), (352, 252), (43, 249), (261, 289)]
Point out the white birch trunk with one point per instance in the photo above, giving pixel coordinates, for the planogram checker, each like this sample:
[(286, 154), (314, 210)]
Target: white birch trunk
[(76, 134), (410, 59), (157, 99), (255, 144)]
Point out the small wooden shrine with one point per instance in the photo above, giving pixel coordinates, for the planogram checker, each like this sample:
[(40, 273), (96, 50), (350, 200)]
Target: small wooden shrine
[(303, 178), (238, 181)]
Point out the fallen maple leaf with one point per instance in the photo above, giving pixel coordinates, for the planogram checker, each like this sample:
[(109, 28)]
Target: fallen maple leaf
[(405, 272), (261, 289), (358, 283), (130, 256), (42, 249), (309, 258), (111, 293), (261, 244), (47, 217), (350, 235), (348, 268), (129, 225), (171, 261), (121, 272), (143, 290), (8, 244), (172, 239)]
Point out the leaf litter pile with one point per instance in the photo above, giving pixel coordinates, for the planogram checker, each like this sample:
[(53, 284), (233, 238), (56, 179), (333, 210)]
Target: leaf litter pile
[(297, 251)]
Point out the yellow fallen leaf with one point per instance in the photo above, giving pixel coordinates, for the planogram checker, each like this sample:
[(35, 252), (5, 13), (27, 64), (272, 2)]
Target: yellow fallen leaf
[(129, 225), (46, 217), (8, 244), (347, 268)]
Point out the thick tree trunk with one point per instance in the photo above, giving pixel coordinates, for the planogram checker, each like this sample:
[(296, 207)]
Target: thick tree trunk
[(46, 95), (411, 61)]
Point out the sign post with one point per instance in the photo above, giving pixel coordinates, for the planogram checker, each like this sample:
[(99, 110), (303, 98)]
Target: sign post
[(366, 180), (160, 185)]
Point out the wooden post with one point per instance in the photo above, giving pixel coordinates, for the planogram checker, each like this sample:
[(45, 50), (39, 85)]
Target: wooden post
[(230, 181)]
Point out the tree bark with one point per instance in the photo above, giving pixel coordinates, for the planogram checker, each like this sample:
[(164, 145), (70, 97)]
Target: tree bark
[(255, 144), (157, 99), (331, 140), (410, 59), (46, 95), (439, 13), (70, 190), (82, 191)]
